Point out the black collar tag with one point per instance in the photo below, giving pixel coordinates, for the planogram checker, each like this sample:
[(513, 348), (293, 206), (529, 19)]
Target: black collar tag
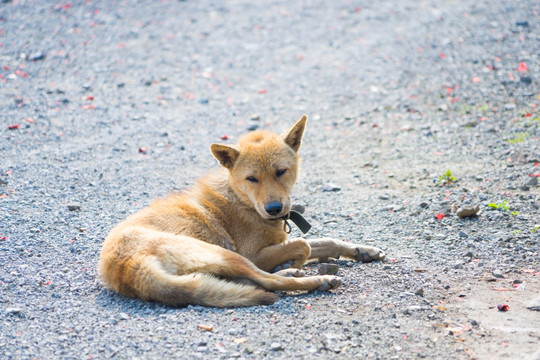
[(299, 221)]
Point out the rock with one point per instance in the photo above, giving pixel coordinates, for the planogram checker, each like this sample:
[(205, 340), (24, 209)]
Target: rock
[(533, 182), (74, 207), (527, 80), (534, 304), (203, 101), (419, 292), (474, 322), (255, 117), (410, 309), (424, 205), (384, 197), (13, 311), (328, 269), (38, 55), (463, 235), (467, 210), (253, 127), (298, 207), (509, 107), (522, 23), (497, 273), (34, 230), (275, 346), (329, 187)]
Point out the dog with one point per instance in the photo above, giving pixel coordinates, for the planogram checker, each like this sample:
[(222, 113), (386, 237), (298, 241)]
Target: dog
[(223, 243)]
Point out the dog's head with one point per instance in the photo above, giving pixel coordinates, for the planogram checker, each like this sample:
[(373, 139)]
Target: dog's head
[(263, 167)]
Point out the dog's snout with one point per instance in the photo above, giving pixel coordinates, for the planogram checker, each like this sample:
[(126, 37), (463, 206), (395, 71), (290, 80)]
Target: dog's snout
[(273, 208)]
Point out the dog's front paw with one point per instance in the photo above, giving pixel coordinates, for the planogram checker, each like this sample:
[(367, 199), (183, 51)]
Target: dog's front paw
[(368, 254), (329, 282)]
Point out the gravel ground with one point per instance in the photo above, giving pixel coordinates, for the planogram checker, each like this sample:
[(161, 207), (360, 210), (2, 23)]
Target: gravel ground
[(106, 105)]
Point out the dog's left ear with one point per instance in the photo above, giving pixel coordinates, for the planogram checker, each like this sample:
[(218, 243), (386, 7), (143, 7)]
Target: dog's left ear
[(225, 154), (293, 136)]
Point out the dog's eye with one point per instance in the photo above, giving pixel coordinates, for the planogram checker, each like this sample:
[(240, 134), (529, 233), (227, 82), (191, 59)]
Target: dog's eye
[(281, 172), (252, 179)]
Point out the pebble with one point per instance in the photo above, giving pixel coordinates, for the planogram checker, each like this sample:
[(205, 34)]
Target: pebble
[(534, 304), (463, 235), (509, 106), (253, 127), (497, 273), (467, 210), (424, 205), (74, 207), (13, 311), (255, 117), (329, 187), (203, 101), (275, 346), (38, 55), (419, 292), (533, 181), (328, 269)]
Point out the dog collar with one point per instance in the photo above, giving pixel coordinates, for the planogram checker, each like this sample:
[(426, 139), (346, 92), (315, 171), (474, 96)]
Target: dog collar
[(297, 219)]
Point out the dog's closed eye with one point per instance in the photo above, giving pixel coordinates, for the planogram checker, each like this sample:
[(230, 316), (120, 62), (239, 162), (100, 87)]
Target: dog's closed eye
[(252, 179), (281, 172)]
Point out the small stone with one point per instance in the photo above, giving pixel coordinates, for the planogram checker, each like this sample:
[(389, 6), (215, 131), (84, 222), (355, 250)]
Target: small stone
[(420, 292), (533, 181), (497, 273), (203, 101), (522, 23), (534, 305), (527, 80), (328, 269), (474, 322), (298, 207), (255, 117), (509, 107), (467, 210), (329, 187), (275, 346), (463, 235), (424, 205), (38, 55), (253, 127), (384, 197), (34, 230), (74, 207), (13, 311)]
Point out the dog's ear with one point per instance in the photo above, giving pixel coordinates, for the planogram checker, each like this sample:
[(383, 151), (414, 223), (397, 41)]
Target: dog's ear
[(293, 136), (225, 154)]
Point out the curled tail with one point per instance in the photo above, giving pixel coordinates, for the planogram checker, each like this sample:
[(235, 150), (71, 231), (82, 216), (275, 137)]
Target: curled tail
[(150, 281)]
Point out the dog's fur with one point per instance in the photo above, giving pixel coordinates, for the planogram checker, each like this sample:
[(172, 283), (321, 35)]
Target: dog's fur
[(217, 244)]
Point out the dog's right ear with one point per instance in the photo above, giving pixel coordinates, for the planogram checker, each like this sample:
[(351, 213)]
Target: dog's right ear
[(225, 154)]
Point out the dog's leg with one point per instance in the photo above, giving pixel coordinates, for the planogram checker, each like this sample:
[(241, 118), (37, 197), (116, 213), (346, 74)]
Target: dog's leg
[(325, 248), (292, 253), (236, 266)]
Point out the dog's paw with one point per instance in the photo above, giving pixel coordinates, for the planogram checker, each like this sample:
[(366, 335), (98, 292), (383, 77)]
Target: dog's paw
[(368, 254), (284, 266), (329, 283), (290, 273)]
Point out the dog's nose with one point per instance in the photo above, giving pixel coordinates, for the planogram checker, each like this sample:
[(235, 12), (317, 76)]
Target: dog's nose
[(273, 208)]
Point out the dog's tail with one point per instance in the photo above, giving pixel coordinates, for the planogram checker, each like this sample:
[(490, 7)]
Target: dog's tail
[(150, 281)]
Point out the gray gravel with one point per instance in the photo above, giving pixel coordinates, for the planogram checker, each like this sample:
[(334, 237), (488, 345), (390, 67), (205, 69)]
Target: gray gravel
[(106, 105)]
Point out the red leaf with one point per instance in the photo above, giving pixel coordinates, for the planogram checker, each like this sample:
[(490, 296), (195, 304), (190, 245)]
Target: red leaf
[(439, 216), (224, 137), (262, 91), (13, 127), (522, 67)]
